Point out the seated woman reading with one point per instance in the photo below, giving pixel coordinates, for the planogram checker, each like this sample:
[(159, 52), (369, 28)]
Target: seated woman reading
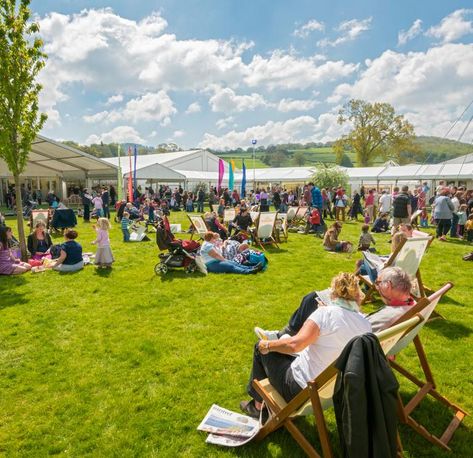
[(39, 241), (70, 259), (9, 265), (211, 253), (318, 343)]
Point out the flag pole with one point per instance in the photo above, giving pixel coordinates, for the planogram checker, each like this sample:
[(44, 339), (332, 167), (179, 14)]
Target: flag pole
[(120, 177)]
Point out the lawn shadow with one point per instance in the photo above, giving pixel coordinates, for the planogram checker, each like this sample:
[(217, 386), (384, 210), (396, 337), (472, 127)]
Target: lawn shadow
[(450, 299), (103, 272), (271, 249), (450, 329), (179, 275), (10, 297)]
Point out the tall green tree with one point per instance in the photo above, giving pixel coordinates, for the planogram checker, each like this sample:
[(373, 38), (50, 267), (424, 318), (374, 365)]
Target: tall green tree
[(329, 176), (377, 132), (21, 60), (299, 158)]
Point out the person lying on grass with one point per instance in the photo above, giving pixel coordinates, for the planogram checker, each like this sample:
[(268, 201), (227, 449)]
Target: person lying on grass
[(318, 342), (211, 253), (9, 264)]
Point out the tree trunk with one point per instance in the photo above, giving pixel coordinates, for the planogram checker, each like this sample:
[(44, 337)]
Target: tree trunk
[(19, 220)]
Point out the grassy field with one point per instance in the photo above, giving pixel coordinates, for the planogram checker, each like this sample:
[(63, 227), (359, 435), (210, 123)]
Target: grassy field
[(126, 363)]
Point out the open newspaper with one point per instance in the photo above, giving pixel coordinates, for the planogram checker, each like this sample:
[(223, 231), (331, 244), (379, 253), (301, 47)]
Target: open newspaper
[(228, 428), (375, 261)]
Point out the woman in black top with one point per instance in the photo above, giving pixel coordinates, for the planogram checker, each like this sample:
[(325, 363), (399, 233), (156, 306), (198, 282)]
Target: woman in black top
[(241, 222), (39, 241)]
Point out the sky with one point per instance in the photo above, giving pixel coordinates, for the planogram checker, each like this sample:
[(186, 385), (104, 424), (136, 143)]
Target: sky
[(220, 73)]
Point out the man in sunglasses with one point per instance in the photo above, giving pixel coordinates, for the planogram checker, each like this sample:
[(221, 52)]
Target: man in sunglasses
[(394, 287)]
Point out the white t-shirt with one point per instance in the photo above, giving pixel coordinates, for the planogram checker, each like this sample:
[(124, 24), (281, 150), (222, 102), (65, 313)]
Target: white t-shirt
[(385, 203), (337, 327), (204, 252)]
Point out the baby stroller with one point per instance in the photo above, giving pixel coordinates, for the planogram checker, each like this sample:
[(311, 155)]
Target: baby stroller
[(180, 253)]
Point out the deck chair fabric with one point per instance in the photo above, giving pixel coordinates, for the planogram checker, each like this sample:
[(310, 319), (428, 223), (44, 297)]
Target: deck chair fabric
[(426, 387), (316, 397), (198, 223), (228, 215), (37, 216), (291, 213), (408, 257), (264, 233)]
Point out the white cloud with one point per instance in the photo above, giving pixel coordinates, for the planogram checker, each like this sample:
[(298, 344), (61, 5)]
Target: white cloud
[(300, 129), (149, 107), (225, 100), (404, 36), (431, 87), (120, 134), (286, 105), (452, 27), (285, 71), (224, 122), (309, 27), (114, 99), (178, 133), (193, 108), (350, 30)]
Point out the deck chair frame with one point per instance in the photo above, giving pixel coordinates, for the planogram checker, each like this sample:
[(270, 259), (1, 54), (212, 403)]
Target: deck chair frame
[(426, 387), (283, 414), (268, 239), (299, 217), (391, 262), (198, 223)]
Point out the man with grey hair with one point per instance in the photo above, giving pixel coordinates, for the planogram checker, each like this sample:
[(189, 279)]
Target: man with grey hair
[(394, 287)]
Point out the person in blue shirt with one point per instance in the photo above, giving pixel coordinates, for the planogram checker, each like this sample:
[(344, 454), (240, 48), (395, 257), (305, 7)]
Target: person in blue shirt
[(70, 259)]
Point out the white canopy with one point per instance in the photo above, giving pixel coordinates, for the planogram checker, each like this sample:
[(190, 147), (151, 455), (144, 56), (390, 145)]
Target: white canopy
[(50, 159)]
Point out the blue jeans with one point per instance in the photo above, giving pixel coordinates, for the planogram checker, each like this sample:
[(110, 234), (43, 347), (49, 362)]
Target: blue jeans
[(230, 267), (200, 206), (453, 228), (126, 235)]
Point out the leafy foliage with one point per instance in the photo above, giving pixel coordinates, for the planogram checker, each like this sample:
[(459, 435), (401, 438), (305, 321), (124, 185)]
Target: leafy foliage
[(377, 132), (299, 158), (328, 176), (21, 60)]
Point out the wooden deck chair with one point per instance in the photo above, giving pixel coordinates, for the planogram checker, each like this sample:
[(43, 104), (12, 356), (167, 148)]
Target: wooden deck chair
[(228, 215), (300, 215), (37, 216), (264, 233), (316, 397), (408, 256), (198, 223), (426, 387), (283, 232), (291, 213)]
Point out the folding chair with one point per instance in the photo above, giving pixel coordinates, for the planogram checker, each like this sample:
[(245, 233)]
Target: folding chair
[(198, 223), (427, 387), (264, 233), (214, 208), (316, 397), (281, 229), (37, 216), (228, 215), (408, 256), (291, 213), (300, 215)]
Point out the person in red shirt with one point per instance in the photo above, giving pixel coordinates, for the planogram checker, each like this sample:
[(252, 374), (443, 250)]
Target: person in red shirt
[(369, 205), (313, 222)]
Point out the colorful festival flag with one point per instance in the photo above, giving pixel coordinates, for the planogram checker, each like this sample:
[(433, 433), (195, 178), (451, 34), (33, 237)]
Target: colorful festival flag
[(221, 171), (135, 154), (130, 180), (243, 181), (231, 178)]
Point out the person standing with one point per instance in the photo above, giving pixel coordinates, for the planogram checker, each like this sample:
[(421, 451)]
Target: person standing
[(200, 200), (402, 209), (443, 213), (106, 202), (369, 205), (86, 201), (113, 196), (456, 208), (385, 202)]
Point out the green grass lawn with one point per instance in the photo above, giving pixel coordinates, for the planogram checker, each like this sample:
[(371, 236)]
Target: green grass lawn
[(126, 363)]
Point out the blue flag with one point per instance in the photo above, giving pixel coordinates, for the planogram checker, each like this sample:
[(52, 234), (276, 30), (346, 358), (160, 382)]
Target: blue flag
[(243, 181), (135, 154)]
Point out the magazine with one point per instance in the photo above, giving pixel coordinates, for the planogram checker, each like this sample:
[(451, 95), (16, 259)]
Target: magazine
[(228, 428)]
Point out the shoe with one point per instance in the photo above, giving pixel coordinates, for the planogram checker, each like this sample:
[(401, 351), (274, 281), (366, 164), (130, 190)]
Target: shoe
[(250, 409), (263, 334), (259, 267)]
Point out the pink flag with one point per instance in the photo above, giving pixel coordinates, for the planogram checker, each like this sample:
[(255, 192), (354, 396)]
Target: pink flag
[(221, 171)]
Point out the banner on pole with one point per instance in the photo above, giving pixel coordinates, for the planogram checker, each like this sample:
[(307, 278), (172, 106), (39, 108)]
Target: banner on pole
[(243, 180), (221, 171)]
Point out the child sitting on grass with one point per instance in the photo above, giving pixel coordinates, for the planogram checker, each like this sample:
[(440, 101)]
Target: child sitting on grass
[(125, 224), (381, 223), (103, 256), (331, 242), (313, 223), (366, 239)]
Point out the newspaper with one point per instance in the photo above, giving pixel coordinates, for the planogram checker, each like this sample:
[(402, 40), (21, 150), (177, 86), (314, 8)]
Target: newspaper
[(228, 428), (376, 262)]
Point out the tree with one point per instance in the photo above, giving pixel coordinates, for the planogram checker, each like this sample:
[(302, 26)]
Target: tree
[(377, 132), (22, 59), (329, 176), (299, 158)]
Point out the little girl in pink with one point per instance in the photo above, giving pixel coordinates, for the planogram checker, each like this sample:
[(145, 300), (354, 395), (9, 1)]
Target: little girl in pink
[(104, 255)]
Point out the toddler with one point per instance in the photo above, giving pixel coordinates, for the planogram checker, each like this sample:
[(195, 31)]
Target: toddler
[(424, 218), (366, 239), (103, 256), (462, 218), (469, 228), (125, 224)]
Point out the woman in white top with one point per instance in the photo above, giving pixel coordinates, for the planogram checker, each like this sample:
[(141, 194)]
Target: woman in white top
[(318, 343)]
